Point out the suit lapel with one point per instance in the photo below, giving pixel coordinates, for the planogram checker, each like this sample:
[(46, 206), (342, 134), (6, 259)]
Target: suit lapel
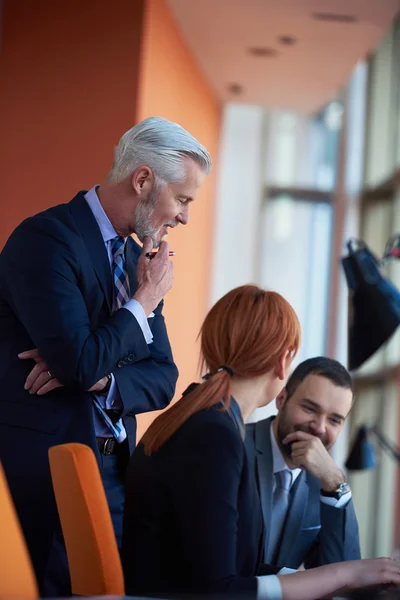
[(294, 519), (264, 466), (93, 240)]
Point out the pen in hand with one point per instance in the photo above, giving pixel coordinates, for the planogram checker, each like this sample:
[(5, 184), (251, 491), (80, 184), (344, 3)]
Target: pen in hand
[(153, 254)]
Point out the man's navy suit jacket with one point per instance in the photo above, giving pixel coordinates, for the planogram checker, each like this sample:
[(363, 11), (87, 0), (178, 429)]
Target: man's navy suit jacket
[(56, 294)]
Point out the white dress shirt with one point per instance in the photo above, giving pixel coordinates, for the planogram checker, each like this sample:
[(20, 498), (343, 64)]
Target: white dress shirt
[(113, 399)]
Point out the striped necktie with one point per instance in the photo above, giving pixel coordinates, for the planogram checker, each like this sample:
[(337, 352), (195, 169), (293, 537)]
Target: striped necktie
[(121, 297), (121, 281)]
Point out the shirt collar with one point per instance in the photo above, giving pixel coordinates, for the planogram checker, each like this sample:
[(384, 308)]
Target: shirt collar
[(107, 230), (279, 463)]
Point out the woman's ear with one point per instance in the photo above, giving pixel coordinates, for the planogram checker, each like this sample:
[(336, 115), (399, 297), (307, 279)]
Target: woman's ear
[(282, 365)]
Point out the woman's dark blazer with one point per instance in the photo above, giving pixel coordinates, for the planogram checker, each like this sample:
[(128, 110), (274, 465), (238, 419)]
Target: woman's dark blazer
[(193, 521)]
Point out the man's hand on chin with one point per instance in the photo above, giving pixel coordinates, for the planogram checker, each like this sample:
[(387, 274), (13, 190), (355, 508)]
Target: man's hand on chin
[(309, 453)]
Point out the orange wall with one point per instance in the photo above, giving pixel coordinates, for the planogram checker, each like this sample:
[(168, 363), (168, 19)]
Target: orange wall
[(68, 76), (172, 86)]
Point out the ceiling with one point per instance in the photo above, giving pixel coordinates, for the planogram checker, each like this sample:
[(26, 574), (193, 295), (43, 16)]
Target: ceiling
[(301, 76)]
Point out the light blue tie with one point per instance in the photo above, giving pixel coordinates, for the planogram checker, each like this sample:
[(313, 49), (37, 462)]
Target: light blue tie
[(280, 505)]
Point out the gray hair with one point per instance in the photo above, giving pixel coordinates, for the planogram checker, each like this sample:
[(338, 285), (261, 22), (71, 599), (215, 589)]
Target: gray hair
[(161, 145)]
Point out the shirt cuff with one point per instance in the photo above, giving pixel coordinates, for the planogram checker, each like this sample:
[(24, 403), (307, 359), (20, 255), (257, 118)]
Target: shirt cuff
[(269, 588), (343, 500), (136, 309), (286, 571)]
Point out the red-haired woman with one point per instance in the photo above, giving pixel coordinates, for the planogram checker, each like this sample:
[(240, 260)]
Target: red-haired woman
[(193, 522)]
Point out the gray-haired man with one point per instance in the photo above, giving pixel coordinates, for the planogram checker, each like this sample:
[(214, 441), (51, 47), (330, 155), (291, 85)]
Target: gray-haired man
[(81, 299)]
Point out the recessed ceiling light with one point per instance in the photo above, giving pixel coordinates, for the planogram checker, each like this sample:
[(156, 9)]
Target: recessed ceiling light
[(287, 40), (235, 89), (261, 51), (333, 17)]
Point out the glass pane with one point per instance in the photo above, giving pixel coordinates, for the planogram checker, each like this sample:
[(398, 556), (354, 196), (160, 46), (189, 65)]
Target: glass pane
[(301, 151), (295, 261), (365, 411), (396, 86), (374, 490), (392, 271), (380, 144), (387, 473)]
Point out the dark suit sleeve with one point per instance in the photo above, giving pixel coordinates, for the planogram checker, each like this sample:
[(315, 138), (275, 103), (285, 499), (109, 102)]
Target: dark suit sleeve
[(338, 539), (150, 385), (207, 505), (44, 288)]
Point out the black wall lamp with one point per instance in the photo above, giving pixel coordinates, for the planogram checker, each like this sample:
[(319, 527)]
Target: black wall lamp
[(374, 315), (362, 455), (374, 302)]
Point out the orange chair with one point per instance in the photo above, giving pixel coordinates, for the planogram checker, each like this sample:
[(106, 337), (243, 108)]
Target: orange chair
[(17, 579), (93, 556)]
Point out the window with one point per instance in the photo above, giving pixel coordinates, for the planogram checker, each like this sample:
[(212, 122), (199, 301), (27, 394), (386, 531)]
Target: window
[(380, 157), (295, 260)]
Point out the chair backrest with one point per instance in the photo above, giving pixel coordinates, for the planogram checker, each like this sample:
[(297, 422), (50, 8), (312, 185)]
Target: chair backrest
[(93, 556), (17, 578)]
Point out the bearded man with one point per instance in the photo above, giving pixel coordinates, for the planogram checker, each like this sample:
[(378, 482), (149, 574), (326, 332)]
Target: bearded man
[(307, 506)]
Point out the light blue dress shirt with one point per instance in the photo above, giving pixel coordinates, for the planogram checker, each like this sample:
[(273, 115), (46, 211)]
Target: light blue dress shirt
[(113, 399)]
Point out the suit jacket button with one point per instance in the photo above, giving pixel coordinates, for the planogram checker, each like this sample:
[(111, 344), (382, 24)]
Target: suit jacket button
[(120, 363), (131, 357)]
